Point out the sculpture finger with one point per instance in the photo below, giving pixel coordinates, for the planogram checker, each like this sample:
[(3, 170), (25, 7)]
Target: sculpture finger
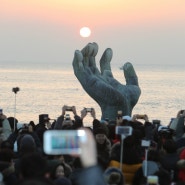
[(130, 74), (93, 53), (92, 61), (87, 52), (77, 62), (105, 61)]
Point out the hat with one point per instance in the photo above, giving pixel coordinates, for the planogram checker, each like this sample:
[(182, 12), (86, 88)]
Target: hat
[(43, 118), (99, 130), (163, 128), (128, 118), (26, 144)]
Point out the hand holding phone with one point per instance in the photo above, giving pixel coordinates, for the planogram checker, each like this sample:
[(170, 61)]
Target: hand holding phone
[(74, 142)]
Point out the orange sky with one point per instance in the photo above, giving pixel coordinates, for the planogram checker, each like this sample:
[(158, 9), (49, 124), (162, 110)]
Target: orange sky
[(96, 12), (116, 17)]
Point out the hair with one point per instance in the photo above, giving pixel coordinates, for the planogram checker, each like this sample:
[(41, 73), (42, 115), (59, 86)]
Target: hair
[(113, 175), (164, 177), (153, 155), (53, 173), (6, 155), (33, 166), (170, 146), (6, 145)]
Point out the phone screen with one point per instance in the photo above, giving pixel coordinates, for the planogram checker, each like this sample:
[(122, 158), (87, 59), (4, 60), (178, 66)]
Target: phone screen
[(152, 180), (63, 141)]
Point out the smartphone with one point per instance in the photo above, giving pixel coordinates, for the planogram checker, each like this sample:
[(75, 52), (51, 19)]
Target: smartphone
[(124, 130), (68, 108), (152, 180), (58, 142), (145, 143), (88, 109), (67, 117), (141, 116)]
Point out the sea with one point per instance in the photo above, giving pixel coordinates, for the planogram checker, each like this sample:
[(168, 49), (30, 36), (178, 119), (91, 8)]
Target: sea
[(46, 87)]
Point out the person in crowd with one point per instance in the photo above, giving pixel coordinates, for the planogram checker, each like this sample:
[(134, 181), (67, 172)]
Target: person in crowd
[(91, 169), (43, 125), (164, 177), (103, 144), (181, 166), (169, 158), (162, 134), (32, 166), (65, 120), (54, 160), (58, 170), (76, 170), (5, 128), (7, 166), (114, 176), (179, 128), (6, 145), (32, 126), (141, 122), (26, 145), (149, 167), (178, 125), (131, 157), (15, 137), (85, 111), (58, 167), (13, 123)]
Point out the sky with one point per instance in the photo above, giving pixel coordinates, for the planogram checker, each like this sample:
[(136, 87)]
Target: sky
[(138, 31)]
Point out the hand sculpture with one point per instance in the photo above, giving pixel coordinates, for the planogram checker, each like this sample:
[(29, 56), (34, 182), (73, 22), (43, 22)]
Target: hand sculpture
[(110, 94)]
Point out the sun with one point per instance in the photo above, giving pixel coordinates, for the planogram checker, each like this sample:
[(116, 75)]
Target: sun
[(85, 32)]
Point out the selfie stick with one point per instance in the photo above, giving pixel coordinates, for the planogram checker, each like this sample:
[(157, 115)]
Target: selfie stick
[(146, 161), (121, 155), (15, 90)]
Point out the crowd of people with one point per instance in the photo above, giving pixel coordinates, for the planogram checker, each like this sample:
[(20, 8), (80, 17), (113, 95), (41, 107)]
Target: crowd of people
[(141, 150)]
